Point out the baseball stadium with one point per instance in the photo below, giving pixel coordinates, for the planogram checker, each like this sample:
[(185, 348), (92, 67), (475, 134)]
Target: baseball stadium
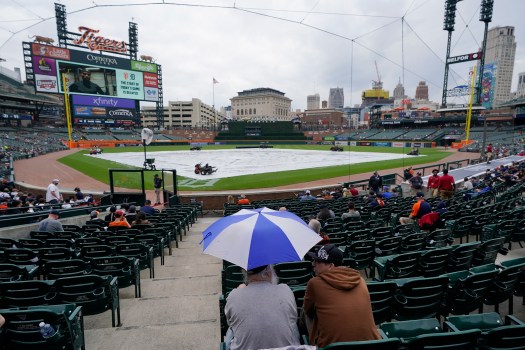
[(130, 222)]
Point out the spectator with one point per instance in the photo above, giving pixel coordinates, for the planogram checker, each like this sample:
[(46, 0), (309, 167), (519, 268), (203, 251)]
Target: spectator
[(316, 226), (408, 173), (433, 184), (120, 220), (53, 195), (261, 314), (386, 193), (230, 200), (325, 213), (375, 182), (147, 208), (352, 213), (307, 196), (416, 184), (488, 153), (243, 200), (111, 216), (157, 184), (441, 207), (467, 185), (346, 193), (446, 185), (353, 190), (335, 293), (378, 202), (93, 217), (79, 196), (140, 219), (420, 208), (132, 213), (51, 224)]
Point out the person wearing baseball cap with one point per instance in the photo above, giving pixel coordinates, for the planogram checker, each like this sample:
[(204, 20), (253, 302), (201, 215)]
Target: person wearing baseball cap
[(51, 223), (420, 208), (53, 195), (120, 220), (336, 304)]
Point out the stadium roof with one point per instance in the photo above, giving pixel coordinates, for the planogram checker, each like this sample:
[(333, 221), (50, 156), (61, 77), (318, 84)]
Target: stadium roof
[(461, 109)]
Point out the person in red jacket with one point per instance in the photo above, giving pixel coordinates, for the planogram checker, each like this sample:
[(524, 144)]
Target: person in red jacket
[(433, 183), (243, 200), (446, 185)]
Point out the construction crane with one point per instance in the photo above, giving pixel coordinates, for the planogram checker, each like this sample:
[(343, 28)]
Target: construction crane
[(377, 84)]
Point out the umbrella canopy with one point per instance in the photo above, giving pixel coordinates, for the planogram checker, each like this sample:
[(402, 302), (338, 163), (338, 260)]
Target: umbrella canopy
[(257, 237)]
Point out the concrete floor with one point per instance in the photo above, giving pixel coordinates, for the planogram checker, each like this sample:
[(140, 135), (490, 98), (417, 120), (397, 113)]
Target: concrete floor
[(179, 308)]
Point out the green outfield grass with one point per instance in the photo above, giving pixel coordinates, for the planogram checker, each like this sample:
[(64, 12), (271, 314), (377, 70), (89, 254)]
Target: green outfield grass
[(98, 168)]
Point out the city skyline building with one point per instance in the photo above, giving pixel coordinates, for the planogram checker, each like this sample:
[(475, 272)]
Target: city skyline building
[(336, 98), (520, 90), (183, 114), (399, 91), (421, 91), (313, 101), (501, 52), (261, 104)]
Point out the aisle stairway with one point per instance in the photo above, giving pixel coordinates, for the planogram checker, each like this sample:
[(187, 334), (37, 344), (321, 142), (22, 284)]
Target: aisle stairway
[(178, 309)]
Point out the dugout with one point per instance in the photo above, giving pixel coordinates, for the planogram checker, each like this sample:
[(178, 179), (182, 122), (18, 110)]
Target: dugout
[(129, 186)]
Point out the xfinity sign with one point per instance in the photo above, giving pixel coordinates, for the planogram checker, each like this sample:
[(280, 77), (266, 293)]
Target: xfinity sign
[(464, 58)]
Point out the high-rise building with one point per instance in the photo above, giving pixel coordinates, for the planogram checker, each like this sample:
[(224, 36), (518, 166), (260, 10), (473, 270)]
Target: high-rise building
[(399, 91), (336, 98), (501, 51), (422, 91), (520, 91), (261, 104), (313, 101), (183, 114)]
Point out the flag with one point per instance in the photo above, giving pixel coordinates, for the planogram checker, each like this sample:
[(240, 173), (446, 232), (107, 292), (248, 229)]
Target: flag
[(215, 81)]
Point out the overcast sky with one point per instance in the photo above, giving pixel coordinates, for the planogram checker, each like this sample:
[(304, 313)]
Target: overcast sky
[(299, 47)]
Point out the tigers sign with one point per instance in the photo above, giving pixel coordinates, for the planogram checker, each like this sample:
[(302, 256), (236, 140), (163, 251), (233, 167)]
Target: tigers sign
[(95, 42)]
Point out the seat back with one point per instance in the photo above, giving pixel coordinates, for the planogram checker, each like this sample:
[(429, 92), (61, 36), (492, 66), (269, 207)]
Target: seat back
[(446, 341), (360, 254), (410, 329), (382, 299), (506, 337), (468, 294), (387, 246), (20, 256), (26, 293), (434, 262), (382, 344), (64, 268), (232, 276), (22, 331), (487, 251), (420, 298), (412, 242), (12, 273), (96, 251), (296, 273), (461, 256)]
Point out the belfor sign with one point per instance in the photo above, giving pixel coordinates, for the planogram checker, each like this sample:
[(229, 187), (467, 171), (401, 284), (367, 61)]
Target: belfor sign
[(465, 58)]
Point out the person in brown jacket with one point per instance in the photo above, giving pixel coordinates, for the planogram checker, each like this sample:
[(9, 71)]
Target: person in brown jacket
[(337, 305)]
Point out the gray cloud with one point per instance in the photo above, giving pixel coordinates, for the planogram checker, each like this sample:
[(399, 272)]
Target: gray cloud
[(244, 50)]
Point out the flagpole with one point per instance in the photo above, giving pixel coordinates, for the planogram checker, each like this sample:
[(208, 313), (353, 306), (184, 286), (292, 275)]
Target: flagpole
[(214, 116)]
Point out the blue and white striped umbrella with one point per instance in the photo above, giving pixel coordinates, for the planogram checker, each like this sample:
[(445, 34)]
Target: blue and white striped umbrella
[(257, 237)]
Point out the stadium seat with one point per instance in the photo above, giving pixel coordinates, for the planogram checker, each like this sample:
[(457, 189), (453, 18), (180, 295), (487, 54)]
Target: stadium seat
[(433, 262), (95, 294), (488, 251), (360, 255), (419, 297), (138, 251), (382, 299), (296, 273), (407, 330), (467, 293), (382, 344), (396, 266), (22, 331), (460, 257), (512, 278), (26, 293), (126, 270), (52, 270), (13, 273)]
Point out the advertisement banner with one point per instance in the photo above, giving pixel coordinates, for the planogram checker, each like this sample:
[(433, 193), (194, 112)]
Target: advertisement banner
[(102, 101), (89, 111), (121, 113), (382, 144), (129, 84), (95, 59), (44, 66), (50, 51), (144, 66), (46, 83), (151, 94), (352, 143), (488, 83), (398, 144), (16, 116), (364, 144), (151, 80)]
